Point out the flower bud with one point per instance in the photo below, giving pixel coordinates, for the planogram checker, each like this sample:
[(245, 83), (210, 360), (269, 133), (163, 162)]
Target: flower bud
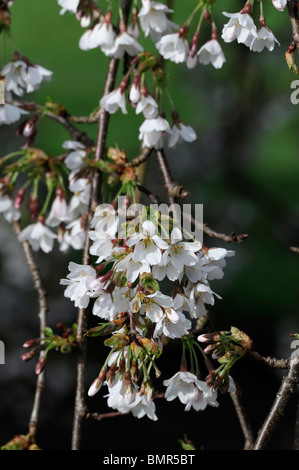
[(19, 198), (31, 342), (34, 207), (40, 365)]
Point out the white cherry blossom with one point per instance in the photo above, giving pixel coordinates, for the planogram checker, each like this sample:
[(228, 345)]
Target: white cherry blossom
[(23, 77), (104, 306), (153, 19), (80, 200), (10, 113), (102, 245), (114, 100), (181, 133), (75, 159), (102, 35), (173, 324), (211, 53), (147, 244), (240, 27), (72, 236), (8, 209), (191, 391), (152, 131), (131, 268), (265, 39), (177, 255), (148, 106), (151, 305), (197, 295), (39, 236), (279, 4), (68, 5), (124, 43), (173, 47), (59, 211), (141, 407), (78, 283)]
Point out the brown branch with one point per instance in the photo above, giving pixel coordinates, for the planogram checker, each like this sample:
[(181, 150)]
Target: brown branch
[(283, 395), (100, 416), (270, 361), (292, 6), (63, 120), (212, 233), (93, 119), (227, 238), (173, 189), (243, 420), (153, 198), (103, 121), (145, 153), (73, 131), (43, 309)]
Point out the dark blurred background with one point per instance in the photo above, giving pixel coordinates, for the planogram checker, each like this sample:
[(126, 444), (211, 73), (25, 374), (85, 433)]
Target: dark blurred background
[(244, 169)]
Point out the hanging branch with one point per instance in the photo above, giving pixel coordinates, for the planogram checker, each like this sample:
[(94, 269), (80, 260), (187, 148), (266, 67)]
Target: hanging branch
[(244, 423), (283, 395), (62, 119), (173, 189), (43, 309), (103, 121), (292, 6)]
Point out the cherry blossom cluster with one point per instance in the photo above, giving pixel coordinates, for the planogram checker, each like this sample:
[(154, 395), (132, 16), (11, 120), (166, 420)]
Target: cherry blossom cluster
[(62, 215), (124, 286), (20, 76)]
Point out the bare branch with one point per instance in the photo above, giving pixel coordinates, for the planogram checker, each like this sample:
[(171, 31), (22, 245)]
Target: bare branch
[(270, 361), (103, 121), (74, 132), (43, 309), (283, 395), (173, 189), (244, 423), (292, 6)]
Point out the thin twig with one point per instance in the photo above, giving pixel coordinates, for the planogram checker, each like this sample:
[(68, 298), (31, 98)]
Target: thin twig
[(103, 121), (153, 197), (145, 153), (73, 131), (283, 395), (100, 416), (43, 309), (243, 419), (62, 119), (292, 6), (173, 189), (212, 233), (270, 361)]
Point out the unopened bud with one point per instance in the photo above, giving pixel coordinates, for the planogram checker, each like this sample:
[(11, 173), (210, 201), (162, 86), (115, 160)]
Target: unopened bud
[(40, 365), (30, 343), (19, 198), (34, 207), (30, 126), (27, 356)]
